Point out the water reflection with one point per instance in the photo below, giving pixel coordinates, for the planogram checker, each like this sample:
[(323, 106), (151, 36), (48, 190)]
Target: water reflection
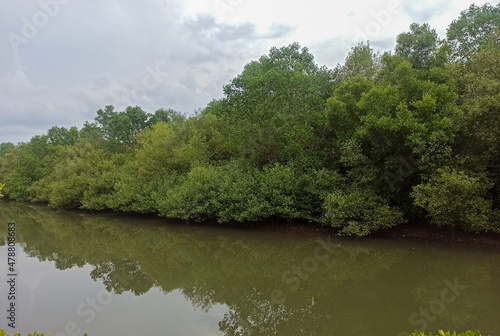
[(363, 287)]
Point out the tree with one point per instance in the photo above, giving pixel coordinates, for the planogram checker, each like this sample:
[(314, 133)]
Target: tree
[(164, 115), (93, 133), (6, 147), (273, 107), (381, 130), (361, 60), (420, 45), (60, 136), (29, 166), (471, 30), (78, 177), (479, 83), (120, 128), (8, 161)]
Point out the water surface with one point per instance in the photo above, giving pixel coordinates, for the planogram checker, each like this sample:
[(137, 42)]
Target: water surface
[(111, 274)]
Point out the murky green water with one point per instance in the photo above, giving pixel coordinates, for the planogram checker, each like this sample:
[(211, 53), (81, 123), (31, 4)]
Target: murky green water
[(120, 275)]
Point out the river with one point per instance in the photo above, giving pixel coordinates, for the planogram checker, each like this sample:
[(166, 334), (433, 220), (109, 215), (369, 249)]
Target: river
[(115, 274)]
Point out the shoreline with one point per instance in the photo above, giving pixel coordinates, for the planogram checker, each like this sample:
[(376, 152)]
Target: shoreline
[(412, 230)]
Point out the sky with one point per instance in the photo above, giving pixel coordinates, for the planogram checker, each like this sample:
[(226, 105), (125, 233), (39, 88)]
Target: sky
[(62, 60)]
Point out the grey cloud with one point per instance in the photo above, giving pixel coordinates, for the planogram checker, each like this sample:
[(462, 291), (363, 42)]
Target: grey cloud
[(278, 30), (189, 82), (332, 52), (231, 33), (19, 133), (384, 44), (205, 27)]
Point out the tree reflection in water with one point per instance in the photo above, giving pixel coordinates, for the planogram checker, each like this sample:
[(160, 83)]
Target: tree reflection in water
[(365, 287)]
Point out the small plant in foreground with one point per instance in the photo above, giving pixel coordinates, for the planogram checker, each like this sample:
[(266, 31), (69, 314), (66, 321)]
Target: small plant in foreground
[(3, 333)]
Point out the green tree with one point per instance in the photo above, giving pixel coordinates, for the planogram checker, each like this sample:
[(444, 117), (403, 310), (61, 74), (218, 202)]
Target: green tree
[(6, 147), (420, 45), (472, 29), (120, 128), (80, 176), (478, 81), (274, 106), (164, 115), (381, 130), (361, 60), (60, 136), (28, 167), (8, 160)]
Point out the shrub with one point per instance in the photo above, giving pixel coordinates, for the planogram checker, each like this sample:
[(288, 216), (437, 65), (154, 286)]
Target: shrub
[(359, 212), (454, 197), (3, 333)]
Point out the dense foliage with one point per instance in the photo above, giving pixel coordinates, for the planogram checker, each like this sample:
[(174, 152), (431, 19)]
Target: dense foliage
[(368, 145)]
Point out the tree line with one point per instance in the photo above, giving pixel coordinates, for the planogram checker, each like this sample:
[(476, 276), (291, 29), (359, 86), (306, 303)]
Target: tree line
[(373, 143)]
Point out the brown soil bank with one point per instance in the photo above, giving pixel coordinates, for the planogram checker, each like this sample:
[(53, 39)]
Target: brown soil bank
[(425, 231), (419, 230)]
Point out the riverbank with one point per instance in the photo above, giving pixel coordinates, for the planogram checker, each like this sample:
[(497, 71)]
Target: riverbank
[(422, 230), (413, 230)]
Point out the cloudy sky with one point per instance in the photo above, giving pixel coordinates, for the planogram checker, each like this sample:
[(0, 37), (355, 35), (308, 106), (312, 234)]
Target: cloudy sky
[(62, 60)]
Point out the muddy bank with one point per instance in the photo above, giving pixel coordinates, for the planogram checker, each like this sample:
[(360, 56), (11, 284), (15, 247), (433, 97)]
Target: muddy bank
[(425, 231), (417, 229)]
